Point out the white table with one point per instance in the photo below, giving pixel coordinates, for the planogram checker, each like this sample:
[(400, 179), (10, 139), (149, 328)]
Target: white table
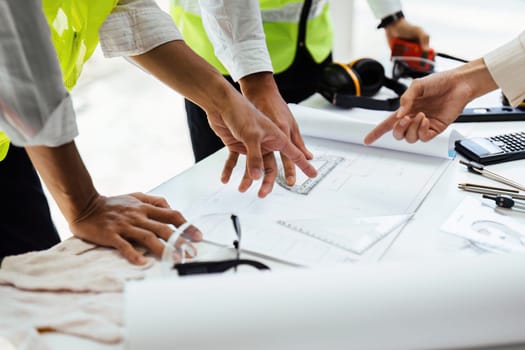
[(419, 239)]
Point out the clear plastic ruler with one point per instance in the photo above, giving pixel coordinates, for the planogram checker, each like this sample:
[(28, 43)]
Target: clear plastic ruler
[(324, 165)]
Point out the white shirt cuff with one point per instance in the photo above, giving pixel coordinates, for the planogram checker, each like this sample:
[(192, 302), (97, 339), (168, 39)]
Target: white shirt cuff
[(136, 31), (506, 64), (249, 57), (59, 128)]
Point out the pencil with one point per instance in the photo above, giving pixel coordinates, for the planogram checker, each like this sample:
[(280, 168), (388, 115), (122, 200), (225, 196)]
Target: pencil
[(461, 185)]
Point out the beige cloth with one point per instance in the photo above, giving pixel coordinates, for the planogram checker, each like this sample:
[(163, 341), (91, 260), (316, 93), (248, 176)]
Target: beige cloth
[(96, 316), (22, 338), (73, 288), (73, 265)]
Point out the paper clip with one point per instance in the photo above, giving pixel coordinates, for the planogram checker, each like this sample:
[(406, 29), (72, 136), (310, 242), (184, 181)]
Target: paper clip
[(479, 169)]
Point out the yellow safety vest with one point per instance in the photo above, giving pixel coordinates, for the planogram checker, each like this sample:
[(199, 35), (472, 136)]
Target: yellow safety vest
[(4, 145), (74, 26), (281, 26)]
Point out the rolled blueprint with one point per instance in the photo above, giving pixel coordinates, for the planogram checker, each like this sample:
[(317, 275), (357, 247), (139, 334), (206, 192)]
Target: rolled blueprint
[(450, 303), (332, 125)]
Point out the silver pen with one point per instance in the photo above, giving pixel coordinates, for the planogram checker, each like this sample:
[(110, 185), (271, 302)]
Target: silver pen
[(490, 190), (480, 170)]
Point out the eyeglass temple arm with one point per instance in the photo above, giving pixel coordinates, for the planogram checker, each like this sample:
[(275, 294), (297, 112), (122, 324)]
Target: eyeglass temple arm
[(237, 228), (203, 267)]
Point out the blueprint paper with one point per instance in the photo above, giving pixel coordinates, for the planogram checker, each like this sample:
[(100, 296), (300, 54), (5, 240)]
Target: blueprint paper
[(356, 188), (336, 126)]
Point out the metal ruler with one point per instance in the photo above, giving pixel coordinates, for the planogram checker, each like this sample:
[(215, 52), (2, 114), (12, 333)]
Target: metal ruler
[(324, 165)]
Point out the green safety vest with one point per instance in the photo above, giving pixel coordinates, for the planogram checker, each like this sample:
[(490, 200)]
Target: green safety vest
[(281, 27), (4, 145), (74, 26)]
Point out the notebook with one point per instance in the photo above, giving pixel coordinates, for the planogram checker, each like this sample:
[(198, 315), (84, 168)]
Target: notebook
[(355, 235)]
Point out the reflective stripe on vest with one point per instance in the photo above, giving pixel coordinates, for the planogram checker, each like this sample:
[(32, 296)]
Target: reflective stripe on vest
[(281, 27), (74, 28)]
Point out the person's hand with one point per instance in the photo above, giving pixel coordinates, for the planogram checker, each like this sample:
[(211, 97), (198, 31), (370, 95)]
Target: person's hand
[(245, 130), (109, 221), (262, 91), (241, 127), (430, 104), (403, 29), (125, 220)]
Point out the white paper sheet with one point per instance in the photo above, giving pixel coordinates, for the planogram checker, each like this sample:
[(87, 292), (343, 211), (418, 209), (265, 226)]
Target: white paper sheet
[(492, 230), (370, 182), (336, 126), (467, 303)]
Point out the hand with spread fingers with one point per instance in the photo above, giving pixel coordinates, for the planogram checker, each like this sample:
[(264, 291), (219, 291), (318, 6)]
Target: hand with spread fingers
[(257, 136), (432, 103), (261, 89), (127, 220)]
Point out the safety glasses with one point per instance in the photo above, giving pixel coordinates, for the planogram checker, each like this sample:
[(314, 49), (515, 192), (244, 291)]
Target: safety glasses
[(221, 226)]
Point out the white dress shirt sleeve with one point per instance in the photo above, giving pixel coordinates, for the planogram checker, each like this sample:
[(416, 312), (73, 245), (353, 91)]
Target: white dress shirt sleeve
[(235, 29), (35, 108), (383, 8), (506, 64), (135, 27)]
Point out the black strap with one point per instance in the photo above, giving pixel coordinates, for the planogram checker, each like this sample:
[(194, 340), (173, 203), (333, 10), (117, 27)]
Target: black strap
[(301, 36), (391, 104), (350, 101)]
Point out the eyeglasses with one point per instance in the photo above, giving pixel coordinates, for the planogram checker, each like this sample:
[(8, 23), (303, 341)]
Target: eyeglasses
[(220, 226)]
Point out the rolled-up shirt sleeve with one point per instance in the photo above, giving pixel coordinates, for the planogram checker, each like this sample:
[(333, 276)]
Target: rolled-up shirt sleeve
[(35, 108), (384, 8), (136, 27), (235, 29), (506, 64)]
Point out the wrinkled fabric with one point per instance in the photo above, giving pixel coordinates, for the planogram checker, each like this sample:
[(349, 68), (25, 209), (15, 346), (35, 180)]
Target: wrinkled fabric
[(95, 316), (73, 288), (73, 265), (135, 27)]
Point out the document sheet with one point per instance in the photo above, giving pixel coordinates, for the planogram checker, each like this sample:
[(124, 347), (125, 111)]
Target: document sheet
[(487, 227), (366, 185)]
